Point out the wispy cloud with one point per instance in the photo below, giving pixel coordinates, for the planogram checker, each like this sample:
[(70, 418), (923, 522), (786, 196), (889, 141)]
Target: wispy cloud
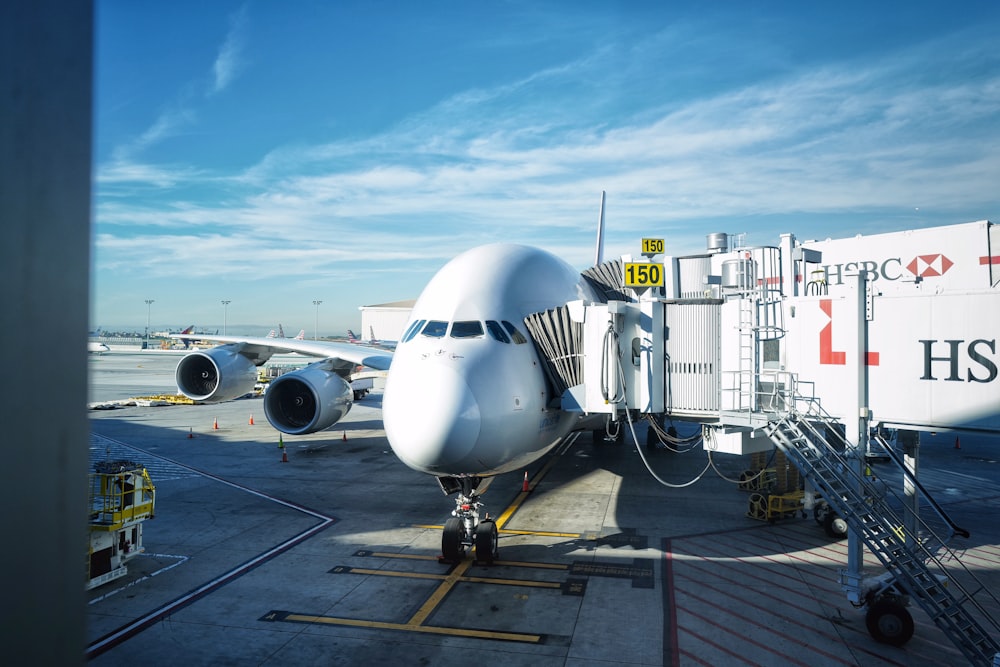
[(229, 61), (500, 164)]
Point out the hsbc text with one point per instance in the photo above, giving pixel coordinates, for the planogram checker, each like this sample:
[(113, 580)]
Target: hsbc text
[(958, 361)]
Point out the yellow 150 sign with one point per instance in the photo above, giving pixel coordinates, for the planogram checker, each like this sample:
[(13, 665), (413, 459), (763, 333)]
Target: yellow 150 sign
[(643, 274), (652, 247)]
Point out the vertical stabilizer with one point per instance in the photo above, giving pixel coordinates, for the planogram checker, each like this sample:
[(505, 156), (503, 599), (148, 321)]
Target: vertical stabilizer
[(599, 250)]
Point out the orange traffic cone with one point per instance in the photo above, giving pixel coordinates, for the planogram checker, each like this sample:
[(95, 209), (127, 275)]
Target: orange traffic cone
[(251, 419), (524, 486), (190, 432), (215, 424), (345, 436), (958, 445), (281, 446)]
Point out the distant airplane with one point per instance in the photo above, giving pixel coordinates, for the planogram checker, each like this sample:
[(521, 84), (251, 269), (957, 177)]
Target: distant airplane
[(95, 347), (466, 398), (374, 342), (186, 341), (281, 334)]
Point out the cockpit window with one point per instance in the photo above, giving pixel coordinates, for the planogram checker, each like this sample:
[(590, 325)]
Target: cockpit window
[(435, 329), (412, 330), (469, 329), (514, 333), (497, 331)]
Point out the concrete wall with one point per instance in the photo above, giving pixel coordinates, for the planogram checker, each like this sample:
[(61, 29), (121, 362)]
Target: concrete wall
[(46, 56)]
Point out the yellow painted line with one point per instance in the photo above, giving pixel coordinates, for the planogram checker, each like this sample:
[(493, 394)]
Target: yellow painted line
[(541, 533), (502, 520), (416, 623), (537, 566), (506, 563), (377, 554), (435, 599), (401, 575), (514, 582), (505, 531), (410, 627), (443, 577)]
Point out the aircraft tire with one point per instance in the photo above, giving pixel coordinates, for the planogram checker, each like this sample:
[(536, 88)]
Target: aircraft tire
[(487, 542), (452, 548)]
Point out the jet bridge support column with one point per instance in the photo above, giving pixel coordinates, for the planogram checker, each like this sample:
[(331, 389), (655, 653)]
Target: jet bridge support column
[(910, 440), (852, 578)]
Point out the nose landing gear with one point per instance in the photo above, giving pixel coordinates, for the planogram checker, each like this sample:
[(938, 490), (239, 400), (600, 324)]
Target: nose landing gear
[(465, 530)]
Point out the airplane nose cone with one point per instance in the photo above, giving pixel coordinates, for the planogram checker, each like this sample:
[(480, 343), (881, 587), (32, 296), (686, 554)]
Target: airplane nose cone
[(431, 418)]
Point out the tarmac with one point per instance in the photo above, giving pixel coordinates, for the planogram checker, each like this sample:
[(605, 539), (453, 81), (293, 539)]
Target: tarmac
[(331, 557)]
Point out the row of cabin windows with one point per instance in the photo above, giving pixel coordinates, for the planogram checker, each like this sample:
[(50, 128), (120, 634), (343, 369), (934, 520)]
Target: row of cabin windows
[(503, 331)]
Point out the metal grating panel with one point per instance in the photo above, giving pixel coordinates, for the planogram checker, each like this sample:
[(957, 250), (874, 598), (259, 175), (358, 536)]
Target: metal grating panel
[(693, 356)]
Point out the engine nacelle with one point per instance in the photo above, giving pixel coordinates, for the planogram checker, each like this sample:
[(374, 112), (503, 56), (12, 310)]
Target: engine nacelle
[(215, 375), (307, 400)]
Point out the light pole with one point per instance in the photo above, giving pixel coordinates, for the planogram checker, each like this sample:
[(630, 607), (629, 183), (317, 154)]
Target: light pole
[(225, 315), (316, 321), (149, 302)]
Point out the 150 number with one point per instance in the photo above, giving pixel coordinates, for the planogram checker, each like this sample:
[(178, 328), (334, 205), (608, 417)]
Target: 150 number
[(641, 274), (652, 246)]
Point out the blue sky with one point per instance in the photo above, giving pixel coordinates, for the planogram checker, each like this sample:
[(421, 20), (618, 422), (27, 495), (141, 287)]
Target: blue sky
[(276, 153)]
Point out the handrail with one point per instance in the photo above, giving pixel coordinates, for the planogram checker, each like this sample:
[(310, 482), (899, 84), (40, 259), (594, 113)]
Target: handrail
[(956, 529)]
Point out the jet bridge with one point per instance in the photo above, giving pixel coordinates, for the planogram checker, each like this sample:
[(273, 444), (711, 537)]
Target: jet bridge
[(782, 345)]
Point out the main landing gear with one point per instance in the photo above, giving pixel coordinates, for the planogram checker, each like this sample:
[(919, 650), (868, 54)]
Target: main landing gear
[(465, 530)]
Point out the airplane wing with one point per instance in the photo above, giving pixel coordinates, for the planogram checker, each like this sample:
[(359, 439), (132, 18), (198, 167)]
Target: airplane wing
[(261, 349)]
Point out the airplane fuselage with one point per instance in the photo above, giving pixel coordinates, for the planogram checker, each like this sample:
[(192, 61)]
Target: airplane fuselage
[(466, 395)]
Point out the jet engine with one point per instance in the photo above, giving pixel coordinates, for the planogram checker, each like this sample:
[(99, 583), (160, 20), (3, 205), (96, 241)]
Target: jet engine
[(215, 375), (307, 400)]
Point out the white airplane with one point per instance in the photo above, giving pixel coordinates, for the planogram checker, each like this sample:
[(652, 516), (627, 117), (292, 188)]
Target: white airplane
[(96, 347), (466, 397), (371, 340), (281, 334)]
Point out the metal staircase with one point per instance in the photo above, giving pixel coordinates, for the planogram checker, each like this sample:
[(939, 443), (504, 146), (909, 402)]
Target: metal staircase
[(915, 564)]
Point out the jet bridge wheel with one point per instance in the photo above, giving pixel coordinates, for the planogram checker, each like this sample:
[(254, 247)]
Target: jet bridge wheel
[(889, 622), (487, 542), (757, 507), (834, 525), (820, 510), (452, 548)]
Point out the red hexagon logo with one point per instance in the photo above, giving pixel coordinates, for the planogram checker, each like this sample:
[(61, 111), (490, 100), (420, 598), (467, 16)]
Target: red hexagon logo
[(927, 266)]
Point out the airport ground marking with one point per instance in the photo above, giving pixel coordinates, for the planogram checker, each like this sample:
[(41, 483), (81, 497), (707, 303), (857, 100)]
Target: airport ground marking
[(134, 627), (510, 531), (364, 553), (502, 520), (527, 583), (404, 627), (573, 586), (453, 577)]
